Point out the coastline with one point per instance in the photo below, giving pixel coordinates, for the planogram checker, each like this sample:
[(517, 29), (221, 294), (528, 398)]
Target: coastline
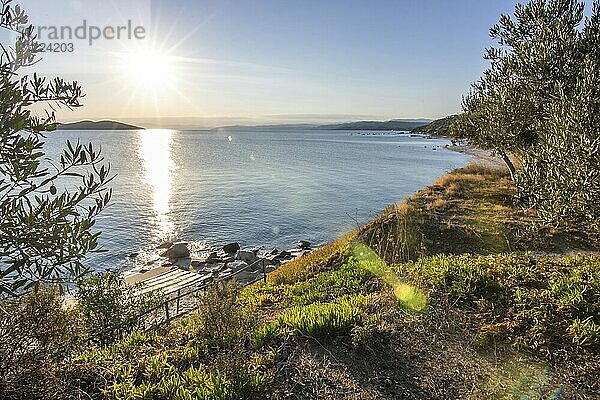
[(388, 285), (483, 156), (212, 262)]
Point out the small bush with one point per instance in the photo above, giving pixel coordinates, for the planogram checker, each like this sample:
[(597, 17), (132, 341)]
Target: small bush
[(362, 334), (37, 334), (205, 356), (220, 319), (110, 307)]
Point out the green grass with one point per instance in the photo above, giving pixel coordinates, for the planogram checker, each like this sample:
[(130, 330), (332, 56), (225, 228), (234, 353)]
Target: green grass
[(543, 303), (205, 356), (317, 319), (470, 210), (324, 286), (315, 262)]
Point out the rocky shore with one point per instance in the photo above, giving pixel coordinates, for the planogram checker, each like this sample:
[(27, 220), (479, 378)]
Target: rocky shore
[(218, 261)]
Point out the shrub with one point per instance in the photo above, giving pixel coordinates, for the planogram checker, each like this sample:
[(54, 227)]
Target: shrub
[(362, 334), (204, 356), (37, 334), (220, 319), (110, 307)]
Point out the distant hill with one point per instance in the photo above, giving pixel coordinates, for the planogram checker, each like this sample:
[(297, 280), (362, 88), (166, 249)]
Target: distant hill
[(391, 125), (97, 126), (439, 127), (266, 127), (394, 124)]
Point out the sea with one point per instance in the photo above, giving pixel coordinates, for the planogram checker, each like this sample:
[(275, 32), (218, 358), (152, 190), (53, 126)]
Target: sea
[(258, 188)]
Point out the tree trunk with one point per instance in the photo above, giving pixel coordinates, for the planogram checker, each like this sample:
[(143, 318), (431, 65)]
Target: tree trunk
[(509, 164)]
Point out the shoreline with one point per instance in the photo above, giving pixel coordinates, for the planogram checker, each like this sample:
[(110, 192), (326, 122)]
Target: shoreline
[(484, 156), (212, 261), (464, 219)]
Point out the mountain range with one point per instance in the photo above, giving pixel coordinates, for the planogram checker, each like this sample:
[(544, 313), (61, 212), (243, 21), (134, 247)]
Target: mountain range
[(393, 124)]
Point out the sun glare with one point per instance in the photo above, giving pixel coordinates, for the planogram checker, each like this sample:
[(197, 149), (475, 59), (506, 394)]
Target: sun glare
[(148, 69), (155, 153)]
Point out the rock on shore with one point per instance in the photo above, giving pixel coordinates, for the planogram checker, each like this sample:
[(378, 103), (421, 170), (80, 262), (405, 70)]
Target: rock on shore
[(219, 262), (231, 248), (177, 250)]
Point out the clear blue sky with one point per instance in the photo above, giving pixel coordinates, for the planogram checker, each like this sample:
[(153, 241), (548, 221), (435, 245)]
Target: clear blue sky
[(309, 60)]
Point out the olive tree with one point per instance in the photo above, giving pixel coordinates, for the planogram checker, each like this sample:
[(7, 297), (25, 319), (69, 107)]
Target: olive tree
[(537, 107), (45, 232)]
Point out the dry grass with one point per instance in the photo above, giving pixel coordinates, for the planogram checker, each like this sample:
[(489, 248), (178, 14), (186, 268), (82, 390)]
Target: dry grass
[(469, 210), (437, 204)]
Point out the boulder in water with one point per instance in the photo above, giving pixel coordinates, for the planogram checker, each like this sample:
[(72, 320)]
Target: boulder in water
[(231, 248), (212, 258), (177, 250), (303, 244), (246, 256)]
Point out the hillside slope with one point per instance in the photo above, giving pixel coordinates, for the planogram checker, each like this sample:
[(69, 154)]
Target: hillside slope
[(392, 310), (439, 127)]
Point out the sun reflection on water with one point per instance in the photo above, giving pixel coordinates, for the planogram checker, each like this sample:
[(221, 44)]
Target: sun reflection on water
[(155, 153)]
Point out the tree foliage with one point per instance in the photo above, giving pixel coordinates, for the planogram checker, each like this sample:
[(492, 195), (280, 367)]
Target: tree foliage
[(45, 233), (537, 106)]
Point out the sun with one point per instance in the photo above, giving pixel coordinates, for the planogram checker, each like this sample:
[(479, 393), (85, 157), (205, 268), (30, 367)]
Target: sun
[(149, 76), (148, 69)]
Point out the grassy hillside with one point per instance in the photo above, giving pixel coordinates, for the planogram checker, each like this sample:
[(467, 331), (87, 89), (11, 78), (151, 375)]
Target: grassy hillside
[(395, 309)]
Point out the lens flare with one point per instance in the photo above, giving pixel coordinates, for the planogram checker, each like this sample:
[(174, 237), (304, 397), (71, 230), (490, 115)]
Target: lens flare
[(409, 297)]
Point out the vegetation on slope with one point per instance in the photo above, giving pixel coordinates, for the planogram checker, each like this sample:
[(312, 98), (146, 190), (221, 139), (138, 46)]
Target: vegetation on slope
[(439, 127), (356, 320), (436, 298), (470, 210)]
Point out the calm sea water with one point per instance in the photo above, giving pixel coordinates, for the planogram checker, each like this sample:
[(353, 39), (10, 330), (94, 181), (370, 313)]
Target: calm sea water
[(256, 188)]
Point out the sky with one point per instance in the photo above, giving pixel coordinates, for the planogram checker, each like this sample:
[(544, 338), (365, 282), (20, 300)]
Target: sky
[(219, 62)]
